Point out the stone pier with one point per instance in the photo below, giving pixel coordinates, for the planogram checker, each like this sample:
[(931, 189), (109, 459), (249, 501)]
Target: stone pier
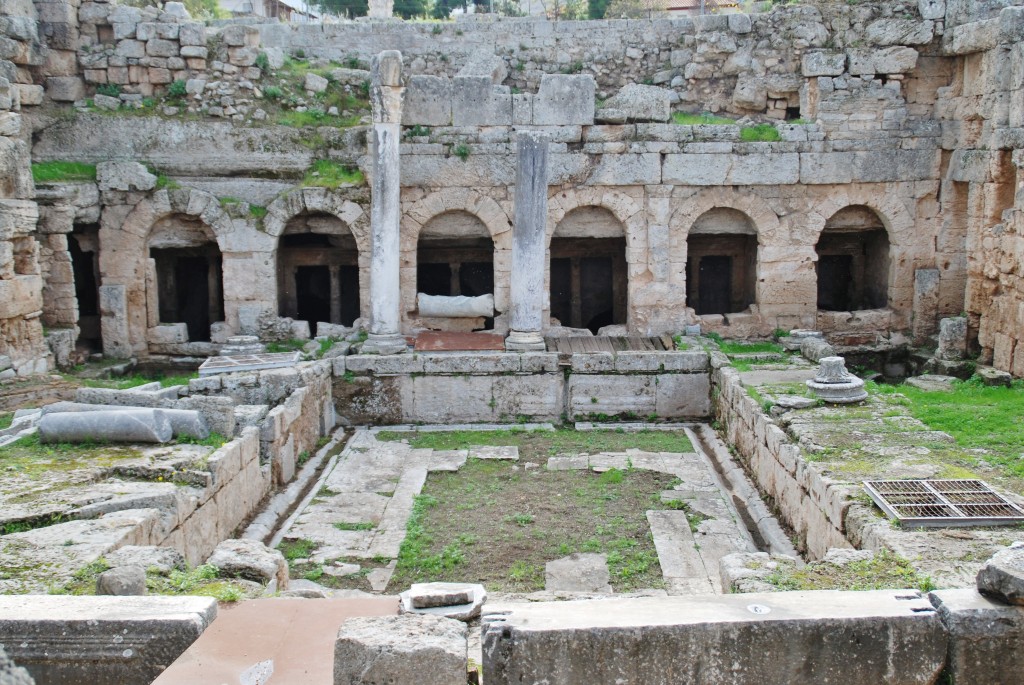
[(386, 94), (528, 244)]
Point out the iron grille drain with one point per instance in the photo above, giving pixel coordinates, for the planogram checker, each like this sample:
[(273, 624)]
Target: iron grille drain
[(935, 503)]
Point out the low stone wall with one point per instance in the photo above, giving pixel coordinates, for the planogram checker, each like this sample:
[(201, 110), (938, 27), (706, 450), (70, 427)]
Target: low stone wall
[(475, 387), (800, 492), (100, 640), (858, 638)]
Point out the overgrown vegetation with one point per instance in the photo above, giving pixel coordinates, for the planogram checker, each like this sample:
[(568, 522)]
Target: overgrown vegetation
[(979, 417), (326, 173), (761, 133), (62, 172), (884, 571), (739, 347), (290, 345), (705, 118)]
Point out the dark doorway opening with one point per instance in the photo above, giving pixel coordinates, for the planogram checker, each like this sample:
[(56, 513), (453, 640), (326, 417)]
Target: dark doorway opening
[(318, 271), (721, 273), (313, 293), (853, 261), (190, 288), (835, 283), (588, 282), (83, 245)]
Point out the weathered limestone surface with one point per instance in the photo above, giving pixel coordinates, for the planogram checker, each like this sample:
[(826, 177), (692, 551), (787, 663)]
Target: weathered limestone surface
[(1002, 576), (723, 639), (67, 639), (411, 648), (123, 425), (528, 232), (984, 636)]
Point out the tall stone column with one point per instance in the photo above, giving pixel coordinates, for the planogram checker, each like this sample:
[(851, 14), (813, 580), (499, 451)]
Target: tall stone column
[(386, 98), (528, 244)]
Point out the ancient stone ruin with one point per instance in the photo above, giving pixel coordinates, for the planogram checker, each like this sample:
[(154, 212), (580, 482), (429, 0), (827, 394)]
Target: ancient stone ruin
[(730, 230)]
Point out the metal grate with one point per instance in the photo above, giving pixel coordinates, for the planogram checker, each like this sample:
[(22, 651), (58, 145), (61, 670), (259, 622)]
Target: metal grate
[(934, 503)]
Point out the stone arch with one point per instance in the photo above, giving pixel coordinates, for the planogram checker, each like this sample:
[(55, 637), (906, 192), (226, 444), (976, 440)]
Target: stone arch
[(721, 274), (321, 201), (629, 213), (417, 214), (762, 217), (899, 225), (127, 269)]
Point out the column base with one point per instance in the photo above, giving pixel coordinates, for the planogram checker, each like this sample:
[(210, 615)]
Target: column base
[(384, 343), (524, 341)]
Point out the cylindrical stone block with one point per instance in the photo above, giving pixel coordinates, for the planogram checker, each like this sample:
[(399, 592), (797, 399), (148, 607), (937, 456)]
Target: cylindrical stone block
[(184, 422), (131, 425)]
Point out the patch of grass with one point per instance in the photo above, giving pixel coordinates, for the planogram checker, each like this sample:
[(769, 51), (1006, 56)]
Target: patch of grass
[(257, 211), (6, 419), (762, 133), (977, 416), (325, 345), (163, 181), (355, 526), (540, 444), (59, 172), (83, 581), (290, 345), (297, 549), (329, 174), (694, 518), (738, 347), (31, 524), (462, 151), (885, 571), (214, 440), (705, 118), (766, 404)]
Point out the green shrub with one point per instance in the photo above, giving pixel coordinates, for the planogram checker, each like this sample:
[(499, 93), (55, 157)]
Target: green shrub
[(762, 133), (273, 93), (176, 89), (326, 173), (110, 89), (461, 151), (263, 62)]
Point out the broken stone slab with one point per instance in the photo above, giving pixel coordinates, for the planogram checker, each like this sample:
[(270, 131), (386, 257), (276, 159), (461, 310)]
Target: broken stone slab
[(579, 572), (184, 422), (333, 330), (461, 601), (952, 338), (96, 639), (123, 175), (161, 559), (994, 377), (718, 639), (250, 560), (1002, 576), (985, 637), (795, 401), (132, 425), (149, 395), (931, 382), (411, 648), (505, 452), (122, 581), (455, 306)]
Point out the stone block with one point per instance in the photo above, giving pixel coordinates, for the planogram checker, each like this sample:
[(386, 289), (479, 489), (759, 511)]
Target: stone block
[(124, 176), (685, 395), (411, 648), (68, 639), (722, 639), (823, 64), (891, 31), (65, 88), (564, 100), (751, 92), (984, 637), (1002, 576), (192, 33), (611, 395), (122, 581), (642, 103), (580, 572), (428, 101), (128, 425), (251, 560), (461, 601)]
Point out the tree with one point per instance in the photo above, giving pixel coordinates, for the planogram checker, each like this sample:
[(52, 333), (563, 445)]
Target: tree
[(635, 9), (407, 9), (345, 8), (596, 8)]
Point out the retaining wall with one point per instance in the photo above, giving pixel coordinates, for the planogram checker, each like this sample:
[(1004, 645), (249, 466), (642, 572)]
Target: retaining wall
[(475, 387)]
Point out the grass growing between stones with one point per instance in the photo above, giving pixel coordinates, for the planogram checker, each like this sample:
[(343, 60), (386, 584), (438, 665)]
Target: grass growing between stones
[(732, 347), (688, 119), (498, 524), (327, 174), (133, 381), (884, 571), (30, 458), (762, 133), (542, 444), (6, 418), (58, 172), (202, 581)]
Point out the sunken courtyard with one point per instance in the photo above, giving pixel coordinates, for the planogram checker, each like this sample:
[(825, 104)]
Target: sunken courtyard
[(514, 346)]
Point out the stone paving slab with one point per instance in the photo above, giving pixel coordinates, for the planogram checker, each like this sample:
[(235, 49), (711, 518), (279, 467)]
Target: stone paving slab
[(248, 362), (680, 560), (509, 452)]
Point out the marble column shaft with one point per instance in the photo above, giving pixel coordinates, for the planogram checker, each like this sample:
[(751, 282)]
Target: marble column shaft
[(528, 243), (386, 98)]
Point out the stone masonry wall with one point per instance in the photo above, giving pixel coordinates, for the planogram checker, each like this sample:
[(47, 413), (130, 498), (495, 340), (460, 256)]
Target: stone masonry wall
[(22, 348)]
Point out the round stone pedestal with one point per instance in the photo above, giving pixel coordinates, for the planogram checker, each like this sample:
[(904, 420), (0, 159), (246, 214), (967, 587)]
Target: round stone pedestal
[(834, 384)]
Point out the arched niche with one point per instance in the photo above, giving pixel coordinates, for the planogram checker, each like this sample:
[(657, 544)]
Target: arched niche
[(853, 261), (455, 256), (588, 275), (318, 270), (721, 263), (188, 268)]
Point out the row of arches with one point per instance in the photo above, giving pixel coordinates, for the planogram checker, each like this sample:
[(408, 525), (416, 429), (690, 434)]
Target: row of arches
[(459, 243)]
